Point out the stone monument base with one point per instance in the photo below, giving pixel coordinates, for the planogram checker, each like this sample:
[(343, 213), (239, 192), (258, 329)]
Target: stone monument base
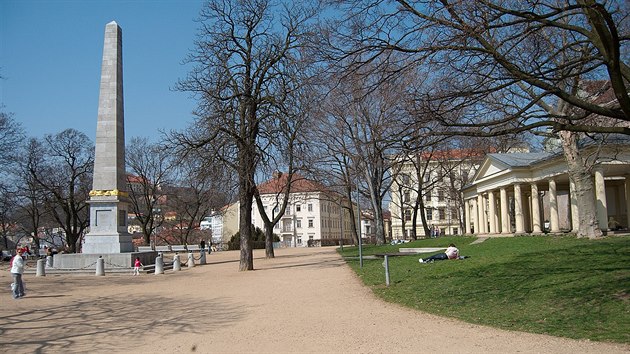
[(107, 243), (112, 260)]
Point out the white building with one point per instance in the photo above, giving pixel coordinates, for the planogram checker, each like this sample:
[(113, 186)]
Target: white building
[(314, 215), (223, 223), (532, 192), (436, 178)]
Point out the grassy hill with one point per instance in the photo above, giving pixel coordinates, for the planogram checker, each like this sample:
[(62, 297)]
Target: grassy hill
[(560, 286)]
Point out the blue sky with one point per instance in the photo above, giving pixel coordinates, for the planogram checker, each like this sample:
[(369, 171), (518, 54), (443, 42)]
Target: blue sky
[(50, 61)]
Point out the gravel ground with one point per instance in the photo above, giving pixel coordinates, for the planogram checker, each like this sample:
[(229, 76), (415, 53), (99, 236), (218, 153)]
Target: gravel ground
[(307, 298)]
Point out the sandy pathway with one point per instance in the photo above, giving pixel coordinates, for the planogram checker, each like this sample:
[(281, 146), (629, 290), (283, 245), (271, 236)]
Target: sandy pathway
[(307, 298)]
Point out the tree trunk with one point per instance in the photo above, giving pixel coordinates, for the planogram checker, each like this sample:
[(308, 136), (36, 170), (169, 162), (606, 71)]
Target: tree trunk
[(245, 228), (269, 240), (581, 177)]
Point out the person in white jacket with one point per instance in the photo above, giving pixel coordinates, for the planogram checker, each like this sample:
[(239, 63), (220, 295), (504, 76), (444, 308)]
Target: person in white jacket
[(451, 253), (17, 269)]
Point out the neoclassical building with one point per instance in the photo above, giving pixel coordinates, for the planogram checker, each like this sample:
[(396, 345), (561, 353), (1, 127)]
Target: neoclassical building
[(518, 193)]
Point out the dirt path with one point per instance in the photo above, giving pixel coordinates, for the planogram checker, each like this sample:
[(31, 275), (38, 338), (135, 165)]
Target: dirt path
[(308, 298)]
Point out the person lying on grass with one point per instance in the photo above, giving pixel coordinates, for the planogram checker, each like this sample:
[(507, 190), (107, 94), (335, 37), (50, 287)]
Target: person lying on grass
[(451, 253)]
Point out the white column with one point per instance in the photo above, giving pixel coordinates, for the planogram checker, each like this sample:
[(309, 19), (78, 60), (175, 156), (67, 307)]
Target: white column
[(600, 199), (575, 218), (475, 216), (628, 200), (467, 215), (505, 216), (483, 213), (518, 209), (492, 212), (535, 210), (553, 207)]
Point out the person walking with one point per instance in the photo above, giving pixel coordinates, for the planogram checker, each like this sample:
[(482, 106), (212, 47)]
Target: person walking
[(136, 266), (17, 269)]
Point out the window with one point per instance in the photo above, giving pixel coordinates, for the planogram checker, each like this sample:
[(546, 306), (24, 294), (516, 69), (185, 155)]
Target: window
[(442, 214), (455, 230), (429, 213), (427, 196), (298, 223), (405, 179), (310, 222), (407, 215), (309, 207), (299, 240), (407, 197), (440, 195), (298, 207)]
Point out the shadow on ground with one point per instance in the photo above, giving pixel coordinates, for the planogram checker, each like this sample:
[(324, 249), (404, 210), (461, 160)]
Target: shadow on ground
[(109, 323)]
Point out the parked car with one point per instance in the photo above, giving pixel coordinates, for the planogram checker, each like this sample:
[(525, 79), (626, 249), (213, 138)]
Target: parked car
[(6, 255)]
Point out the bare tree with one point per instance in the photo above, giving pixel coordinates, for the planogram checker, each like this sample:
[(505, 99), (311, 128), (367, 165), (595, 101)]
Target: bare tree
[(371, 123), (64, 171), (243, 72), (502, 66), (11, 136), (151, 166), (196, 190)]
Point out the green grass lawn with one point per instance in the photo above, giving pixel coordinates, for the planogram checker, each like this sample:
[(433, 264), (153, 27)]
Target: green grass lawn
[(561, 286)]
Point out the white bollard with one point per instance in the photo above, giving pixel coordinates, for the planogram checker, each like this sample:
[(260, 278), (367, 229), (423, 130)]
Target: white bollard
[(177, 264), (40, 268), (159, 265), (49, 261), (202, 257), (191, 260), (100, 266)]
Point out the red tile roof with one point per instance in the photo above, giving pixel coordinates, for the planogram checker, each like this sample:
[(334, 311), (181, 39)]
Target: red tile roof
[(299, 184)]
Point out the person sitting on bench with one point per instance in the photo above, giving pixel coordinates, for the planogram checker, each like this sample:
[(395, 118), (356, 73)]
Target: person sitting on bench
[(451, 253)]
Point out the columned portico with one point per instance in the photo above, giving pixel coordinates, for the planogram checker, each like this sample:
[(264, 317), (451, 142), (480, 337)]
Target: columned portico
[(535, 210), (537, 195)]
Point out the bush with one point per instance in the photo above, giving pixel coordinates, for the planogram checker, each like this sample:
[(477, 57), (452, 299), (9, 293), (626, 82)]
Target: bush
[(258, 239)]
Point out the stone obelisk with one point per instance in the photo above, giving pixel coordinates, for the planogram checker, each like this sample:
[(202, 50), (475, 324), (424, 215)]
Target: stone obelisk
[(109, 197)]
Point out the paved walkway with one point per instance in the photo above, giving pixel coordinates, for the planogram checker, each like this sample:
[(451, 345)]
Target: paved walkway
[(304, 300)]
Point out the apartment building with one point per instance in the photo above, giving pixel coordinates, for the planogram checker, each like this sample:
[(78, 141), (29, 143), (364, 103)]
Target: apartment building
[(314, 215), (430, 184)]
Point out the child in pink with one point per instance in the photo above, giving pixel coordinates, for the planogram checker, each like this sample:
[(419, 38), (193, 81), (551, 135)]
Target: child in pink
[(136, 266)]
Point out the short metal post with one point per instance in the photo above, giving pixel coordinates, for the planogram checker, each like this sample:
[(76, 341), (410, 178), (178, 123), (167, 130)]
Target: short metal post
[(159, 265), (100, 266), (386, 270), (177, 265), (41, 272), (191, 260)]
